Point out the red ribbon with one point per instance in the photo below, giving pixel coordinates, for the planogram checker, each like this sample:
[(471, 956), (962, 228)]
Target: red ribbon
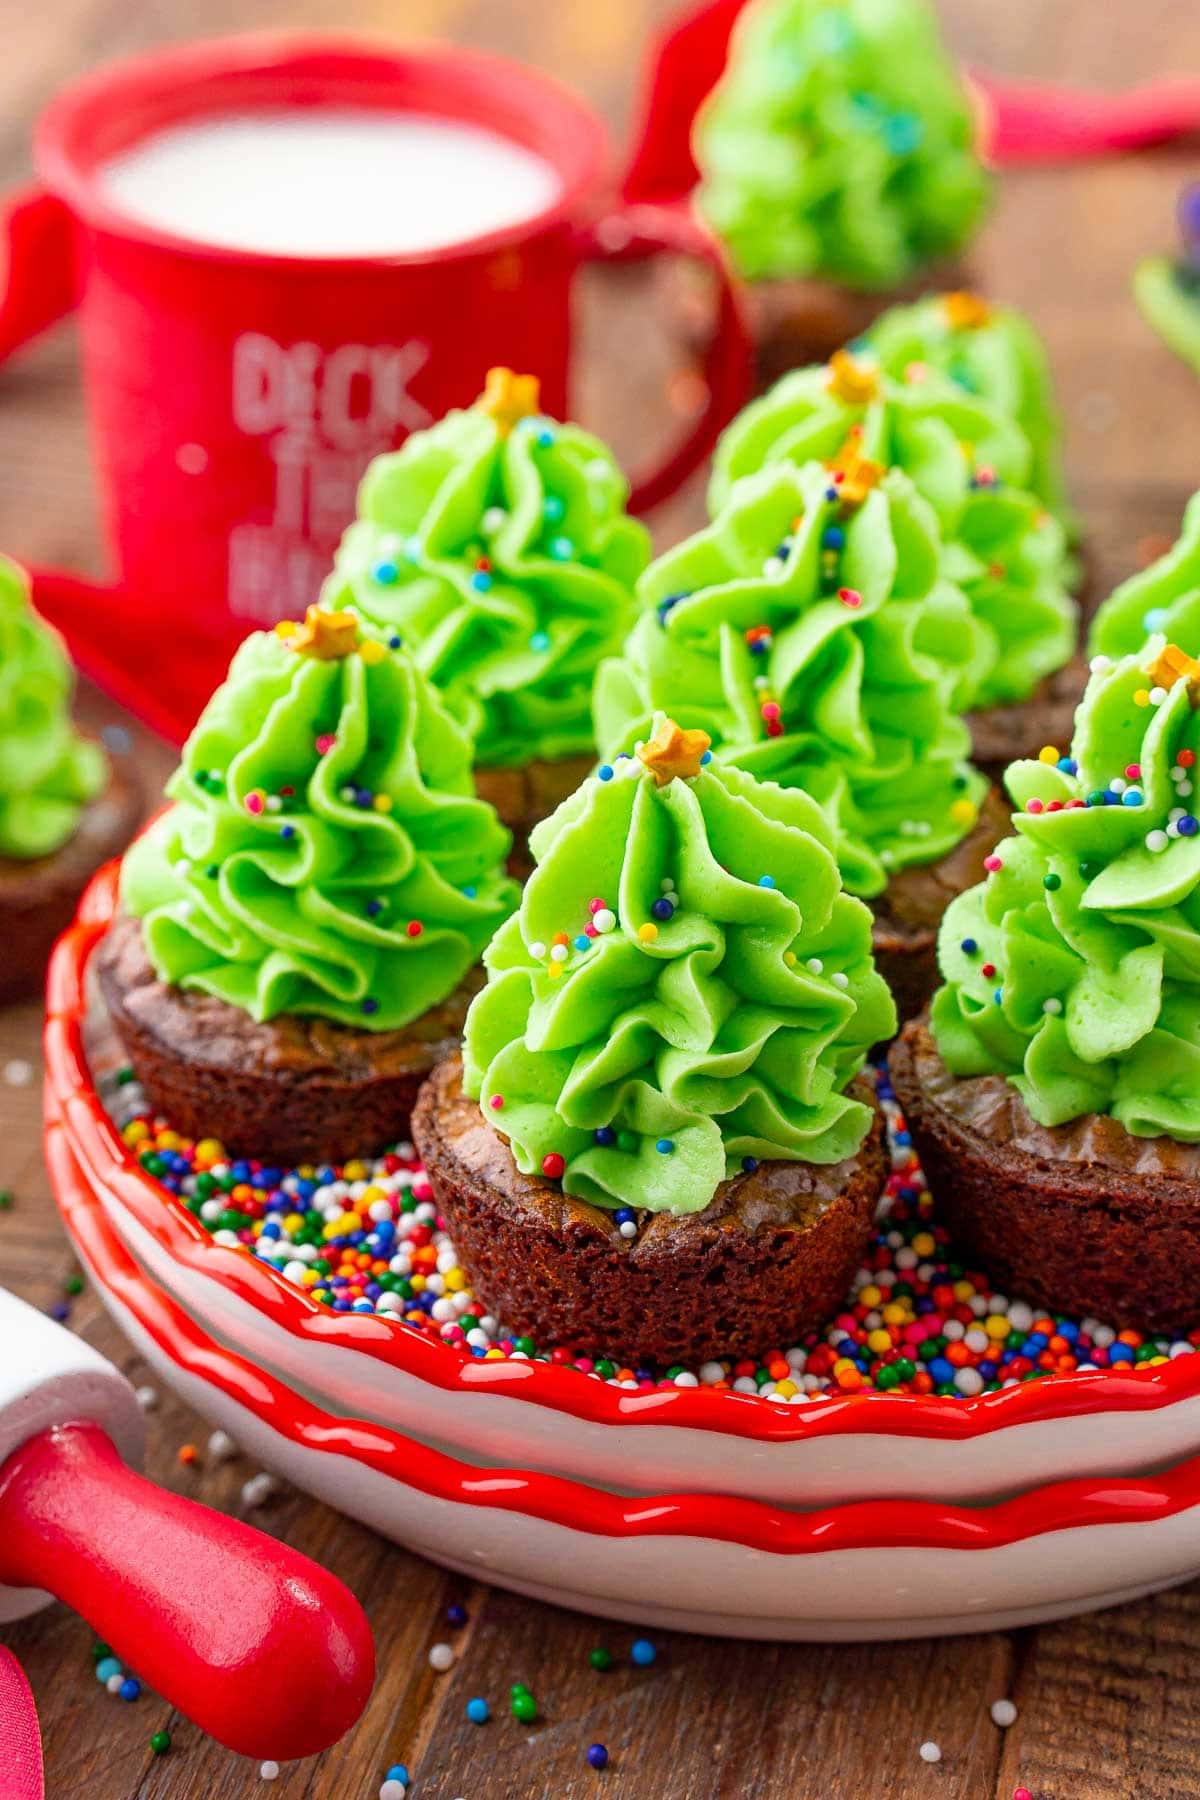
[(20, 1739)]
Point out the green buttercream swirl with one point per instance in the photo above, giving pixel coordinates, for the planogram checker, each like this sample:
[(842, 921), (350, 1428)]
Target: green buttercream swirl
[(1001, 360), (733, 1034), (839, 144), (513, 647), (1001, 545), (866, 693), (1168, 293), (48, 773), (1092, 922), (275, 883), (1164, 597)]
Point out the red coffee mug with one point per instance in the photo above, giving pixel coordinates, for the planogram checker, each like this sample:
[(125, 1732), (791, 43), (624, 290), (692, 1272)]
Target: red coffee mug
[(236, 397)]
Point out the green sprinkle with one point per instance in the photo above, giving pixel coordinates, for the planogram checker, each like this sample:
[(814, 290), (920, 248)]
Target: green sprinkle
[(600, 1658)]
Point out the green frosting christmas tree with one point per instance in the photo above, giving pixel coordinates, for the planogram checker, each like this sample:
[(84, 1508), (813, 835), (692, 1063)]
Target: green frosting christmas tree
[(685, 990), (48, 772), (326, 854), (497, 544), (811, 630), (839, 144), (971, 461)]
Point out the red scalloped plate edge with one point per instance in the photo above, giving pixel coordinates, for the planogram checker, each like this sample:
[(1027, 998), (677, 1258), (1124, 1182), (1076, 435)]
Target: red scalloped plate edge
[(859, 1525), (96, 1145)]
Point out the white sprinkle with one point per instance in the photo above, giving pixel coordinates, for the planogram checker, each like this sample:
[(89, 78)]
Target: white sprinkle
[(269, 1771), (1118, 784), (816, 965), (221, 1447), (494, 520), (1157, 695), (1183, 787), (537, 951), (711, 1372), (628, 1228), (604, 920), (774, 566), (258, 1489), (929, 1751), (1100, 665), (1004, 1714), (1156, 841), (441, 1657), (274, 803), (558, 953), (114, 1684), (146, 1397), (840, 980), (1052, 1006), (392, 1790), (667, 885), (686, 1379), (18, 1072)]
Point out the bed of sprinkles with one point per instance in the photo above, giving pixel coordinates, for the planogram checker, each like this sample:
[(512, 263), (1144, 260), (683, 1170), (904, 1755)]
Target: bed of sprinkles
[(366, 1238)]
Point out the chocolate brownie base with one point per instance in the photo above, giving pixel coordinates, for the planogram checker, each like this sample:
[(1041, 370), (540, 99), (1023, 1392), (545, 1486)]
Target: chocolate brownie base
[(909, 911), (38, 898), (771, 1257), (524, 797), (1082, 1219), (795, 322), (288, 1090), (1003, 734)]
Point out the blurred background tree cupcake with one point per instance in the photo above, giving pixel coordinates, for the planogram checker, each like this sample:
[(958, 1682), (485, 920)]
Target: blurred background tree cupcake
[(1168, 287), (498, 547), (1054, 1093), (1164, 597), (838, 166), (64, 809), (298, 933), (659, 1143), (811, 630), (1001, 544)]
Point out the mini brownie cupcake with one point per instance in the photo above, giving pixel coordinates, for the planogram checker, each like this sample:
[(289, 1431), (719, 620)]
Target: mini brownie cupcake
[(838, 167), (1054, 1094), (809, 628), (658, 1143), (63, 809), (1164, 597), (497, 545), (1001, 544), (298, 932), (1168, 288)]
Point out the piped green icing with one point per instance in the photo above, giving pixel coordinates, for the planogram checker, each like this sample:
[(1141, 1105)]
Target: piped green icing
[(500, 549), (1163, 597), (729, 1030), (1001, 545), (48, 773), (1090, 925), (323, 809), (1168, 294), (864, 655), (839, 143), (992, 352)]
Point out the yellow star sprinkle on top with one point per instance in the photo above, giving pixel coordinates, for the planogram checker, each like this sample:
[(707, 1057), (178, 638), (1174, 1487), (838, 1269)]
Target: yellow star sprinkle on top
[(1173, 664), (965, 312), (854, 473), (325, 635), (853, 382), (508, 398), (672, 751)]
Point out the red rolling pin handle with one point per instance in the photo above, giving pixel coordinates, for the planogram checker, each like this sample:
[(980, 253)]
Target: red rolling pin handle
[(260, 1647)]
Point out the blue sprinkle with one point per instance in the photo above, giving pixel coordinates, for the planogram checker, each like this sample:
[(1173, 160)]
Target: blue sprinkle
[(605, 772), (399, 1773), (831, 495), (456, 1615), (478, 1712), (106, 1668), (553, 508), (540, 640), (1155, 619), (469, 892), (363, 797), (706, 759), (597, 1755), (623, 1215), (1068, 765), (1131, 797), (287, 831), (968, 946), (902, 133), (386, 573), (545, 438), (664, 1146), (394, 642), (642, 1652), (662, 909), (767, 881), (749, 1164), (561, 549), (667, 603), (833, 538), (481, 581), (370, 1006), (582, 942), (996, 997), (374, 908), (1187, 826), (130, 1688), (604, 1135)]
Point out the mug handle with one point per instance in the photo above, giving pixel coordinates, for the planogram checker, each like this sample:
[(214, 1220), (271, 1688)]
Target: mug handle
[(633, 232), (38, 283)]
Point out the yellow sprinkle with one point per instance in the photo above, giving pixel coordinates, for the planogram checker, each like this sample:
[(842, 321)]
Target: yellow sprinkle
[(382, 803), (789, 957), (136, 1132), (456, 1280), (495, 1354), (870, 1296), (924, 1243), (997, 1326), (1142, 697), (286, 628), (417, 1283), (963, 1290), (355, 1171), (1047, 754), (879, 1341), (896, 1313), (210, 1150), (648, 932), (554, 970), (785, 1389), (293, 1222), (963, 812), (371, 651), (309, 1278)]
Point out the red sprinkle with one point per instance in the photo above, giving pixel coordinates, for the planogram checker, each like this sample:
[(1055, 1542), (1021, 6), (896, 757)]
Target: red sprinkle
[(496, 1102), (325, 743), (553, 1165), (992, 863), (414, 928), (849, 597)]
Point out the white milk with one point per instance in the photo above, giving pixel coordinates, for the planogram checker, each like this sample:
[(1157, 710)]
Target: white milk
[(329, 183)]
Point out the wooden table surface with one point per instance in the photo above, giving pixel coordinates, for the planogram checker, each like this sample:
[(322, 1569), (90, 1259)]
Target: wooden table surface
[(1109, 1707)]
